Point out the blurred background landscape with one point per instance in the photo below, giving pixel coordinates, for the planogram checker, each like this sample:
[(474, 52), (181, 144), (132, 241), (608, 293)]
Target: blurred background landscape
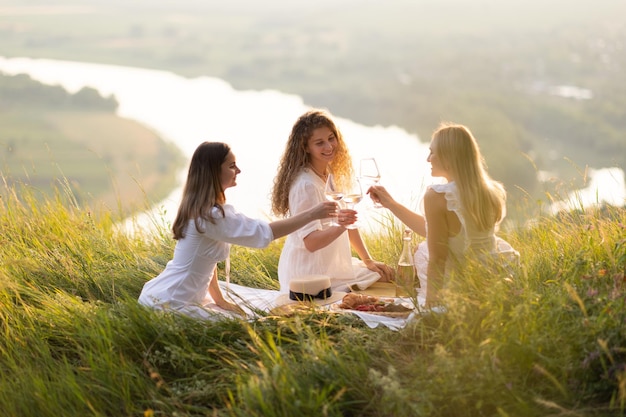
[(541, 84)]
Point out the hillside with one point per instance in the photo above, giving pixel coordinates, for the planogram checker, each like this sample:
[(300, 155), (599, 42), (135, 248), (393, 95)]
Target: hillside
[(543, 339), (51, 139)]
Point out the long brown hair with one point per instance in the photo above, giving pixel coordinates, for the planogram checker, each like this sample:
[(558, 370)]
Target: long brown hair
[(295, 158), (483, 199), (203, 188)]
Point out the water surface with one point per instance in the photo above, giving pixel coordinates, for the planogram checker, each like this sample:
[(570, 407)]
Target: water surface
[(188, 111)]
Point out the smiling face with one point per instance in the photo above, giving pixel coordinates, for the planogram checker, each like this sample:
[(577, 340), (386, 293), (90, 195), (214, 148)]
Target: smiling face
[(229, 171), (436, 167), (321, 147)]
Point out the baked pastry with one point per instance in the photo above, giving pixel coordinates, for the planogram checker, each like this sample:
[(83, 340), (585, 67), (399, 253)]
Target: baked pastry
[(370, 303)]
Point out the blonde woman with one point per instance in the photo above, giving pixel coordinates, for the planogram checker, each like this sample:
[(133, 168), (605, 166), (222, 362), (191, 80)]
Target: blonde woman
[(314, 149), (461, 216)]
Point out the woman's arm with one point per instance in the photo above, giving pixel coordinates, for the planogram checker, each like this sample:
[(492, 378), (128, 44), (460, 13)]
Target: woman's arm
[(319, 239), (322, 210), (411, 219), (437, 240), (359, 247), (216, 295)]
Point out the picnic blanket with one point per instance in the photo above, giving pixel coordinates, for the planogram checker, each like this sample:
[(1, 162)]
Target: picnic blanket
[(265, 300)]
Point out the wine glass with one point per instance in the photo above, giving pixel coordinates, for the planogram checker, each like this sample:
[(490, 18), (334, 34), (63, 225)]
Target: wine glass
[(353, 195), (333, 193), (369, 174)]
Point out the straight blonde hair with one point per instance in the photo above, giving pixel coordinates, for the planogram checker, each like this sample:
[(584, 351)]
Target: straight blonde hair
[(482, 198)]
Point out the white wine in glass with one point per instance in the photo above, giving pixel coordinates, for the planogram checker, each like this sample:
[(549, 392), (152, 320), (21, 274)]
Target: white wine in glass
[(352, 197), (333, 193), (369, 174)]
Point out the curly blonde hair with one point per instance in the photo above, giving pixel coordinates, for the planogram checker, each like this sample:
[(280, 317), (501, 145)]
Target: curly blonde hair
[(295, 158)]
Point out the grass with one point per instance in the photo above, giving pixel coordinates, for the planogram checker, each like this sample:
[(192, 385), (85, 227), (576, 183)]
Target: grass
[(547, 339)]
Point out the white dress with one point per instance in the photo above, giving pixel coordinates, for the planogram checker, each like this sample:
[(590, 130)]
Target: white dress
[(183, 285), (334, 260), (484, 244)]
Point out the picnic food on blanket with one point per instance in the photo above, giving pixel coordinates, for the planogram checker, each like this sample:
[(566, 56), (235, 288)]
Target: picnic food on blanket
[(370, 303)]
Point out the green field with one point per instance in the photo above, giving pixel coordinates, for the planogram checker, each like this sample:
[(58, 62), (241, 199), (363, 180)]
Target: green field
[(546, 339), (50, 139), (101, 156)]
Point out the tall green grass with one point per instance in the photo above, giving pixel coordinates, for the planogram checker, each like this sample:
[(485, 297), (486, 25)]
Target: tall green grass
[(547, 338)]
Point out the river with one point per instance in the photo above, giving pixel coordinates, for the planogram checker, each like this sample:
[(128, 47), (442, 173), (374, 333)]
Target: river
[(188, 111)]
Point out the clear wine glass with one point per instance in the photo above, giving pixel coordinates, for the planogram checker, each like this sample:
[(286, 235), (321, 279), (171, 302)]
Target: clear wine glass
[(369, 174), (353, 195), (333, 193)]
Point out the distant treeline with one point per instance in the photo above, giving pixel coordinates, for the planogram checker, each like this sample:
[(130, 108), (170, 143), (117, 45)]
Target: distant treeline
[(22, 90)]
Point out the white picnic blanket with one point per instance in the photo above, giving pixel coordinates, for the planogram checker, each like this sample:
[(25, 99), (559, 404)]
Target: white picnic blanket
[(253, 298)]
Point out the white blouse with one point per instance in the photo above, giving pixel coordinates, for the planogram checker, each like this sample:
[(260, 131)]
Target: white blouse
[(183, 285), (334, 260), (481, 243)]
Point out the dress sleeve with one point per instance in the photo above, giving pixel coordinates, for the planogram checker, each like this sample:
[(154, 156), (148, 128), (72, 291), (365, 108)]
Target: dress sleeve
[(453, 203), (238, 229), (452, 198), (304, 195)]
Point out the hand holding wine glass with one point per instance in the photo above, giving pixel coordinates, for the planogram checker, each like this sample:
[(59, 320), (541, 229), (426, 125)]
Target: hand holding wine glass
[(369, 174), (333, 193)]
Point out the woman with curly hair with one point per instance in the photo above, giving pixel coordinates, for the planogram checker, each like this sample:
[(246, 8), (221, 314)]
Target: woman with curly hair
[(316, 148)]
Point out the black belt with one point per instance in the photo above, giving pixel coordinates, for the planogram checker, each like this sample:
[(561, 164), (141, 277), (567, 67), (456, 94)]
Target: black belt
[(300, 296)]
